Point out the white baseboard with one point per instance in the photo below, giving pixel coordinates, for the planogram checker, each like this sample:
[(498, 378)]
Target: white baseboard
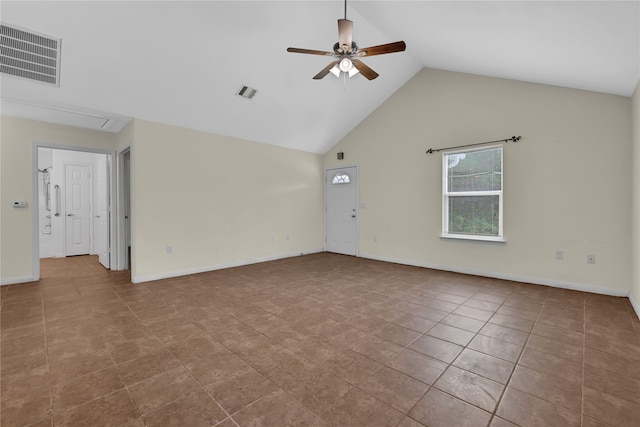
[(635, 305), (516, 278), (178, 273), (16, 280)]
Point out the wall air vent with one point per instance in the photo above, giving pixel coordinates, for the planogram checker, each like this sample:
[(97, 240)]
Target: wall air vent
[(29, 55), (246, 92)]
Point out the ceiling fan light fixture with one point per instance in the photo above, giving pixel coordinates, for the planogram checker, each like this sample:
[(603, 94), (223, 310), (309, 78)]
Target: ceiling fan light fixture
[(336, 71), (347, 55), (345, 65)]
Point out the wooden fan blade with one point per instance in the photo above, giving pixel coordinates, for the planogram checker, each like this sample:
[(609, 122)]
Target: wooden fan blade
[(325, 70), (382, 49), (309, 51), (345, 34), (364, 70)]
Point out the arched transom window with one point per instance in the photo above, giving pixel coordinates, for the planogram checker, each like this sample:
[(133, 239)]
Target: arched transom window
[(341, 178)]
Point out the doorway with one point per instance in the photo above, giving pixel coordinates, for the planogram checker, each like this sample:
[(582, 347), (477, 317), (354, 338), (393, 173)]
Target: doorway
[(341, 203), (77, 209), (73, 195), (124, 210)]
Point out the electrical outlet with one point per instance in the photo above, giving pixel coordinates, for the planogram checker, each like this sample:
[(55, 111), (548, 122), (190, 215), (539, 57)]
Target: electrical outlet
[(375, 239), (591, 259), (287, 237), (169, 249), (559, 254)]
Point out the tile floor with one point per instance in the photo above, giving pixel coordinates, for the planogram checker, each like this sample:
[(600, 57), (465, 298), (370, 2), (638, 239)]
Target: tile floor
[(318, 340)]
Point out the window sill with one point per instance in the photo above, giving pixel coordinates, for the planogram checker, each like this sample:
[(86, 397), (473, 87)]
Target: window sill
[(475, 238)]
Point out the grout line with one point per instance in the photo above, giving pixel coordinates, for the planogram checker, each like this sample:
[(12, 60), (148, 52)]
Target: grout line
[(430, 386), (517, 362), (92, 400), (2, 342), (584, 345), (547, 300), (115, 366), (46, 355), (499, 400), (179, 361)]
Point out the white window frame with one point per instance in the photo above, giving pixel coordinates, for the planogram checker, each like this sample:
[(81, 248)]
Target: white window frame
[(446, 195)]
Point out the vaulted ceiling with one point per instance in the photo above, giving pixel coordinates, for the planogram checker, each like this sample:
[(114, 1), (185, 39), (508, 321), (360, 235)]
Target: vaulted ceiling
[(181, 62)]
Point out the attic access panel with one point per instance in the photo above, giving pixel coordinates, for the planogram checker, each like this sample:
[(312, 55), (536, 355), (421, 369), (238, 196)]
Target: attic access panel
[(29, 55)]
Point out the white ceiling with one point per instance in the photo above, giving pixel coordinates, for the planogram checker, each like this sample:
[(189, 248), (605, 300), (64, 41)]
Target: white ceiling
[(181, 63)]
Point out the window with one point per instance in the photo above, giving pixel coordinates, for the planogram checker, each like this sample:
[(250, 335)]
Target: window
[(341, 178), (472, 194)]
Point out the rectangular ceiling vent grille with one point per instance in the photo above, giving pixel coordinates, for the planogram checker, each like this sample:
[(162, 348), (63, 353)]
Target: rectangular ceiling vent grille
[(29, 55), (246, 92)]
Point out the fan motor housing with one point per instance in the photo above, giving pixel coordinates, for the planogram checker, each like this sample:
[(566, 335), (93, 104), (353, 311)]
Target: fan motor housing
[(337, 48)]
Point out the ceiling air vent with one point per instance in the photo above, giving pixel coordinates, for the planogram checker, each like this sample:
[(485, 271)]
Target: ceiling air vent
[(29, 55), (246, 92)]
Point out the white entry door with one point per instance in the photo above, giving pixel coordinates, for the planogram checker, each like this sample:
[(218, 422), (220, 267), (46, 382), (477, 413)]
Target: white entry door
[(101, 214), (77, 209), (341, 221)]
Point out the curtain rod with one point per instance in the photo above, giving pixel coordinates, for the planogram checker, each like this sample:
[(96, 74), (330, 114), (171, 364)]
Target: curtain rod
[(512, 139)]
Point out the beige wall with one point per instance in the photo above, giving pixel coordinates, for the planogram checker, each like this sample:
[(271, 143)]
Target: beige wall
[(125, 136), (16, 182), (219, 201), (567, 182), (635, 253)]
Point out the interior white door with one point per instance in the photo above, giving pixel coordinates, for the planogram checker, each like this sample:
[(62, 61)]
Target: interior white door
[(101, 214), (77, 209), (341, 219)]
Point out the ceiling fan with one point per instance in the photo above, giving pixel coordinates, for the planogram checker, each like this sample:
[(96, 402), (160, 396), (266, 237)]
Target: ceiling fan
[(347, 52)]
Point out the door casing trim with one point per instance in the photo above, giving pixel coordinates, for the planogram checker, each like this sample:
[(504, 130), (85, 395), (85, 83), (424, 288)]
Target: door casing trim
[(35, 228)]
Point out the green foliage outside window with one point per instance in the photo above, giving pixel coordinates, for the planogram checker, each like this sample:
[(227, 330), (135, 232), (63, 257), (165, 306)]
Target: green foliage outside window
[(474, 172), (474, 215)]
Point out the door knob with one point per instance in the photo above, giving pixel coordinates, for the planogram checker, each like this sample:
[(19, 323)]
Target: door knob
[(70, 214), (353, 216)]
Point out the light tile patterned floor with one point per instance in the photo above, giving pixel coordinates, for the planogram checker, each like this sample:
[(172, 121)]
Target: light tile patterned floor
[(318, 340)]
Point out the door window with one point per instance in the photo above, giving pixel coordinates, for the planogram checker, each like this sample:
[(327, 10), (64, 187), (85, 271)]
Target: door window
[(341, 178)]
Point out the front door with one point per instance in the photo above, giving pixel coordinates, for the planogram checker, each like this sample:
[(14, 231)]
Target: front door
[(77, 209), (341, 222)]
